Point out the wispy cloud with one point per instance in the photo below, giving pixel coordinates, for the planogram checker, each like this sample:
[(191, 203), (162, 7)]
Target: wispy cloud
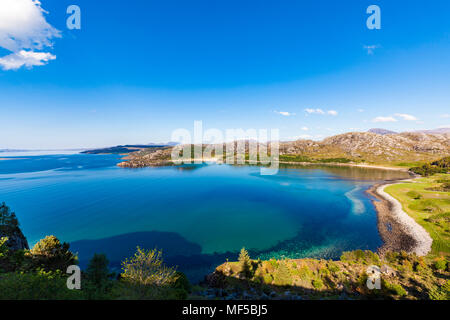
[(384, 119), (445, 116), (320, 111), (371, 48), (23, 30), (285, 113), (406, 117), (305, 128), (332, 112)]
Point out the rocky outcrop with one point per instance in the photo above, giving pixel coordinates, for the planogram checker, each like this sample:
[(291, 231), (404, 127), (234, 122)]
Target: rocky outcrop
[(9, 227), (16, 240)]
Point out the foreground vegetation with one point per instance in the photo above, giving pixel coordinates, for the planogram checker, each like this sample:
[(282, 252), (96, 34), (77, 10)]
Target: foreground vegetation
[(403, 276), (40, 273)]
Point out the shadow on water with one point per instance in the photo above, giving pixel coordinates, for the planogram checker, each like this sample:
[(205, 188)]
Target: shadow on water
[(177, 251), (188, 256)]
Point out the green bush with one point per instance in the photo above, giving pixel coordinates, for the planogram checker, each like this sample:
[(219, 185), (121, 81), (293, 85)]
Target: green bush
[(317, 283), (440, 264), (394, 288), (147, 268), (282, 276), (414, 195), (40, 285), (267, 278), (182, 282), (50, 254), (333, 267), (305, 273)]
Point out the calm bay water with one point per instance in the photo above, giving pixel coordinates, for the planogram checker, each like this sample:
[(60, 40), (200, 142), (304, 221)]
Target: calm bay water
[(199, 215)]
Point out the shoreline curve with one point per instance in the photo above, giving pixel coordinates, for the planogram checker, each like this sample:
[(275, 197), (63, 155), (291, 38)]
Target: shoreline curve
[(397, 229)]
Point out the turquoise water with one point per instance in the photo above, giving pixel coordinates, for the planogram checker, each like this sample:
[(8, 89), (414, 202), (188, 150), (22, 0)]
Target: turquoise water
[(199, 215)]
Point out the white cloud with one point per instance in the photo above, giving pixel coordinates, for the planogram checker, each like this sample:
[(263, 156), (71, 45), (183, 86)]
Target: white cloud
[(320, 111), (302, 136), (28, 59), (445, 115), (23, 29), (285, 113), (305, 128), (371, 49), (360, 110), (332, 112), (405, 116), (384, 119)]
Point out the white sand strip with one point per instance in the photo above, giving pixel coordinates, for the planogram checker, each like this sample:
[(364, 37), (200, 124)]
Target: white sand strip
[(415, 230)]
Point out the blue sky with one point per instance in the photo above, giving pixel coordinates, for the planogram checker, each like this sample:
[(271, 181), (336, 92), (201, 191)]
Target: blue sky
[(137, 70)]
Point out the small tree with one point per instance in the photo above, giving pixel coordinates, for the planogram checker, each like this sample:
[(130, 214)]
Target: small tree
[(282, 276), (245, 262), (98, 277), (50, 254), (147, 268), (8, 219)]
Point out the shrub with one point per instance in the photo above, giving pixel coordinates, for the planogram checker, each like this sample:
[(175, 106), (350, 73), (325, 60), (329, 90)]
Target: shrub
[(305, 273), (414, 194), (440, 264), (394, 288), (267, 278), (333, 267), (182, 282), (282, 276), (51, 255), (40, 285), (317, 283), (147, 268)]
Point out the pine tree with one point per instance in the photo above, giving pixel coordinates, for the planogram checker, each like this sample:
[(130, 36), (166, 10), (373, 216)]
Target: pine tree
[(245, 262)]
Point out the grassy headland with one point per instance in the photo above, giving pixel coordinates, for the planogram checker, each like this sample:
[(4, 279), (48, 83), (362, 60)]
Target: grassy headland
[(427, 200)]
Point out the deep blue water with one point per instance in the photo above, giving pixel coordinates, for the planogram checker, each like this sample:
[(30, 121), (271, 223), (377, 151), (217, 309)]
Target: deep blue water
[(199, 215)]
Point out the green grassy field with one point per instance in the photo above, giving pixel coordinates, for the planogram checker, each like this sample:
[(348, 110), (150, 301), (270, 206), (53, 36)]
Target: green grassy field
[(429, 206)]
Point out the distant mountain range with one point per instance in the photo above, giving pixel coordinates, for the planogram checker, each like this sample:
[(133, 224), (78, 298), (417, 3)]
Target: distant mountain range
[(381, 131), (433, 131)]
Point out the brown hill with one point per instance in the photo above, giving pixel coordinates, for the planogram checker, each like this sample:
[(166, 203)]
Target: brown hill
[(372, 147)]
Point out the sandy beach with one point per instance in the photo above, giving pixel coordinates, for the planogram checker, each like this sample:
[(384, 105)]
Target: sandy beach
[(397, 229)]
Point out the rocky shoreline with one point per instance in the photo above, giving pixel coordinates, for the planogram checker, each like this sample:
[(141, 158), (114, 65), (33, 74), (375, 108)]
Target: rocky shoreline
[(397, 229)]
